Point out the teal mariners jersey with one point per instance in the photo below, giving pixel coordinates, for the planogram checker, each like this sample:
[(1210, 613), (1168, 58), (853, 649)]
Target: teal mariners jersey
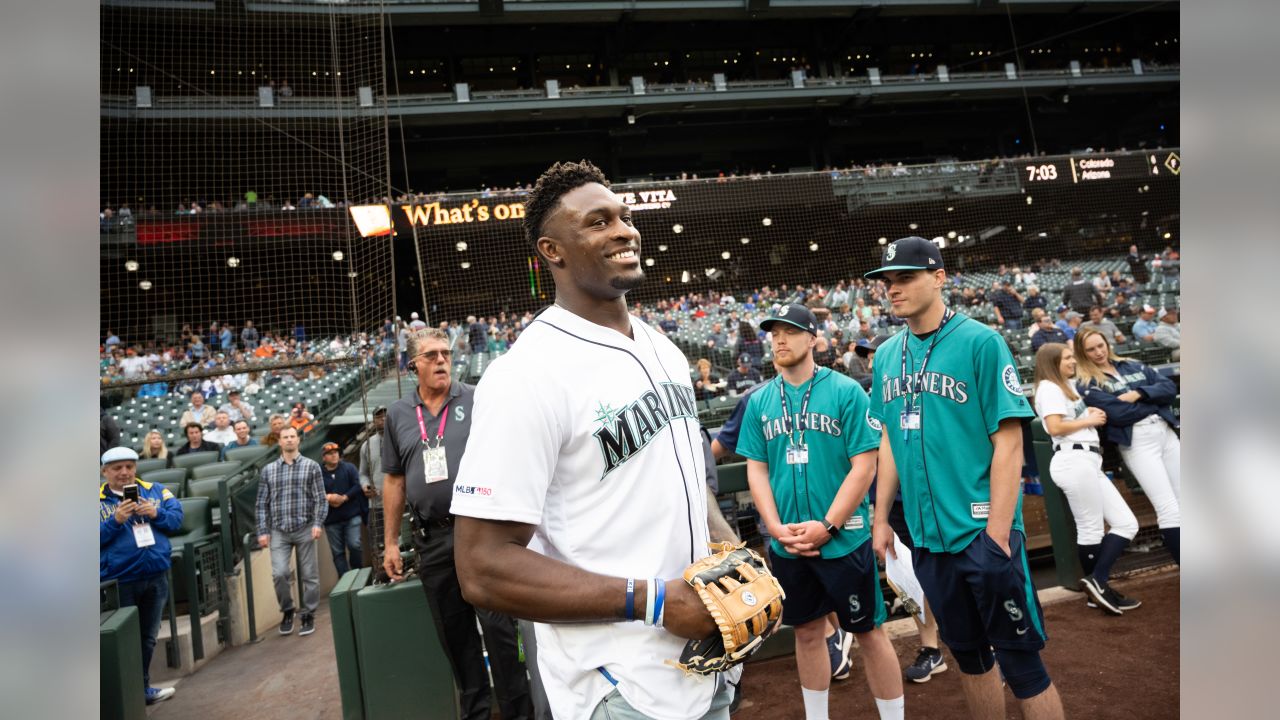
[(834, 427), (968, 386)]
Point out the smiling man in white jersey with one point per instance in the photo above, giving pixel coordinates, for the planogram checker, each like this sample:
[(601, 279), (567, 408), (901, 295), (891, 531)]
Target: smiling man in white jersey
[(951, 403), (582, 488)]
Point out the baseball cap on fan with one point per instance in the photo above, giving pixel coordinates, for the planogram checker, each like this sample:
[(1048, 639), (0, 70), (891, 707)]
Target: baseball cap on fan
[(794, 314), (908, 253)]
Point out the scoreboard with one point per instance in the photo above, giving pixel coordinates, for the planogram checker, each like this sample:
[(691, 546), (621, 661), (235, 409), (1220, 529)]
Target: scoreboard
[(1102, 167)]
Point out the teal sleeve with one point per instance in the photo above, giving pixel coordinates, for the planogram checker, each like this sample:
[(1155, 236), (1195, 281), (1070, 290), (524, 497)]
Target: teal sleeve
[(999, 389), (751, 438), (861, 430)]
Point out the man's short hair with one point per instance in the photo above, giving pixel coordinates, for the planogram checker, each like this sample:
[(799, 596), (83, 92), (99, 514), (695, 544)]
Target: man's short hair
[(233, 392), (558, 180), (418, 338), (1077, 272), (195, 425), (239, 423), (287, 428), (222, 412), (197, 392)]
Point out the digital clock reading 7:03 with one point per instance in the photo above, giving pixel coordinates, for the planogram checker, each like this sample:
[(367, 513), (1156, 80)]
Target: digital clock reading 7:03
[(1048, 171)]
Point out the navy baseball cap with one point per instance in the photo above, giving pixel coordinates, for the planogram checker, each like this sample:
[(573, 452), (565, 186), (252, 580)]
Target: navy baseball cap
[(909, 253), (794, 314), (865, 347)]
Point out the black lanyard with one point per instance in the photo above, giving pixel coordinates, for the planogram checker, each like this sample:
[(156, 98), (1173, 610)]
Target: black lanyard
[(804, 408), (915, 391)]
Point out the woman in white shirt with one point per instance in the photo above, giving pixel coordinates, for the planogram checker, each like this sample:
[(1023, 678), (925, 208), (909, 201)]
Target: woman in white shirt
[(1076, 468)]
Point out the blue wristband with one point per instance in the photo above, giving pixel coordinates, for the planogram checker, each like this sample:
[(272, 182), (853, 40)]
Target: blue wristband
[(662, 596), (631, 598)]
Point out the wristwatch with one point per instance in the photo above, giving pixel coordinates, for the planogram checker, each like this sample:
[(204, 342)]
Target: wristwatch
[(830, 528)]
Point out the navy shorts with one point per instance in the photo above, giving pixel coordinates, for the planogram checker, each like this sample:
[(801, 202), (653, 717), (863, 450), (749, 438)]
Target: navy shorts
[(982, 597), (848, 586)]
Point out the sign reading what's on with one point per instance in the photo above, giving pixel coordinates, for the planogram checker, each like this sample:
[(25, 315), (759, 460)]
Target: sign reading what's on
[(478, 211)]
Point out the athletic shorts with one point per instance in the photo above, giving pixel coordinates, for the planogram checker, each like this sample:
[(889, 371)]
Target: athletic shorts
[(898, 521), (849, 586), (982, 597)]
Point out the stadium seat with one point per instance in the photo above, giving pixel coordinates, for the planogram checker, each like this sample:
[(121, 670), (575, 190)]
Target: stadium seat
[(248, 455), (732, 477), (204, 488), (146, 465), (195, 459), (213, 470), (175, 488), (166, 476), (197, 521)]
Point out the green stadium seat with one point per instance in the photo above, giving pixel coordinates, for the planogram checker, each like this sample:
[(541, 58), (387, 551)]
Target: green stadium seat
[(176, 488), (146, 465), (732, 477), (218, 469), (204, 488), (166, 476), (197, 521), (196, 459), (248, 455)]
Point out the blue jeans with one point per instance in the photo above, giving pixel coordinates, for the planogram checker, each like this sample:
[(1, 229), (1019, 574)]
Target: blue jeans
[(1013, 323), (344, 542), (148, 595)]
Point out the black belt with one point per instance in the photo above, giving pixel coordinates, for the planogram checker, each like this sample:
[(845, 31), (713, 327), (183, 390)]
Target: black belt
[(425, 524), (1078, 446)]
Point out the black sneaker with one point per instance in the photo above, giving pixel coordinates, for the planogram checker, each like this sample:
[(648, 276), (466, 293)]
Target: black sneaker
[(838, 647), (1122, 602), (928, 663), (308, 625), (286, 625), (1098, 593)]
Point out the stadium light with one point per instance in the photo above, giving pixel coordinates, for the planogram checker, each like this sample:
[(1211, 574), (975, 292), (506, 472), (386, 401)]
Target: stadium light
[(746, 240), (145, 285), (352, 274), (1168, 235), (950, 208), (461, 246), (813, 247), (337, 256), (233, 262), (1028, 199), (648, 262), (913, 226), (131, 265), (662, 248), (884, 240), (951, 234), (725, 255), (465, 265), (684, 276), (766, 222), (677, 228)]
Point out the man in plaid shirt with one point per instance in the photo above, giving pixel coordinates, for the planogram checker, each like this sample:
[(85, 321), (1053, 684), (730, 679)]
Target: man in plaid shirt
[(291, 513)]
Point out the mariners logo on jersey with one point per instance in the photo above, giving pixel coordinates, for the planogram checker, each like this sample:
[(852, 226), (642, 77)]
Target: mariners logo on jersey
[(625, 431), (1012, 382), (814, 422)]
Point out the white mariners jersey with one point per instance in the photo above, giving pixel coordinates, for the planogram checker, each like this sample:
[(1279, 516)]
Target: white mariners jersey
[(594, 438)]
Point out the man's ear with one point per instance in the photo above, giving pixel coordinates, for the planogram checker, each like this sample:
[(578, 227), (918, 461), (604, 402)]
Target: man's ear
[(549, 248)]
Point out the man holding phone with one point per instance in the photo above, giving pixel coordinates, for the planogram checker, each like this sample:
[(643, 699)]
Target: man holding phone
[(135, 519)]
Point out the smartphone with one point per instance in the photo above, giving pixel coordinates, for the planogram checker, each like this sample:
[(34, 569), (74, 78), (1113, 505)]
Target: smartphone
[(131, 492)]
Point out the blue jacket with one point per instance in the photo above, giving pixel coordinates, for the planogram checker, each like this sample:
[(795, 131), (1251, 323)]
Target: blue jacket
[(119, 557), (343, 480), (1158, 393)]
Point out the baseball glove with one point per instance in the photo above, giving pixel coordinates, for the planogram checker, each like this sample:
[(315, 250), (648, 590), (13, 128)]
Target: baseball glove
[(745, 601)]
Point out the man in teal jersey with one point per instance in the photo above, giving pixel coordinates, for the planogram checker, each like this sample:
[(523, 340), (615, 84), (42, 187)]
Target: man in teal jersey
[(951, 404), (810, 445)]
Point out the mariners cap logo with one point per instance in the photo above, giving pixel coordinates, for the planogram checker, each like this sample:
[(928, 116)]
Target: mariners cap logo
[(891, 251), (783, 310)]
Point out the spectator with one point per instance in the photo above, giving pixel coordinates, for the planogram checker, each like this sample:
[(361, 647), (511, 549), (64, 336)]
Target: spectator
[(153, 447), (275, 424), (299, 332), (717, 338), (416, 323), (1034, 299), (1138, 266), (291, 511), (108, 432), (236, 408), (1079, 294), (371, 476), (249, 336), (1102, 284), (402, 340), (1047, 333), (749, 344), (222, 432), (346, 508), (199, 412), (707, 385), (837, 298), (1008, 306), (1035, 321), (744, 376), (1098, 321), (1169, 333), (111, 341), (133, 548), (300, 419), (242, 438), (134, 365), (668, 323), (1144, 329), (477, 335), (196, 442), (1170, 265), (227, 339), (861, 356)]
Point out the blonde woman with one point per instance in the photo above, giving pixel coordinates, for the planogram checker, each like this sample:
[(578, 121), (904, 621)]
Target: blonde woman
[(153, 447), (1077, 469), (1137, 401), (707, 386)]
